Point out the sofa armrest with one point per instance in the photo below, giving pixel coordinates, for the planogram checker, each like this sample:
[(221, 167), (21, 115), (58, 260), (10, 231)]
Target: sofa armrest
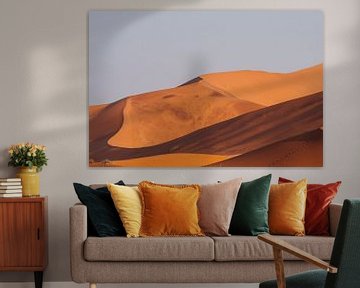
[(334, 216), (78, 235)]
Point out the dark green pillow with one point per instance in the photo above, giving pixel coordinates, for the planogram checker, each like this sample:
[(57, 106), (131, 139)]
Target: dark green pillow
[(103, 218), (250, 216)]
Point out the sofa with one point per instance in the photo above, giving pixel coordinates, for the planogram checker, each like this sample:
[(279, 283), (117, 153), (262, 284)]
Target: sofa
[(233, 259)]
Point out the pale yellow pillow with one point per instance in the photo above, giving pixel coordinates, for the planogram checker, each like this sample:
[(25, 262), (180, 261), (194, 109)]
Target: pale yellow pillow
[(127, 201)]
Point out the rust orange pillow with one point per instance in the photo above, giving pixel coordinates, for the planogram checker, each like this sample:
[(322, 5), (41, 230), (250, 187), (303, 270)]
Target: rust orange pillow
[(318, 200), (169, 210), (287, 203)]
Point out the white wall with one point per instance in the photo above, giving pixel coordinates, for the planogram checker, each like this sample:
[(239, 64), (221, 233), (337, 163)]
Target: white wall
[(43, 88)]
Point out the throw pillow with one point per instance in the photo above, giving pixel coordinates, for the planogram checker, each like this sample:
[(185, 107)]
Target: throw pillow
[(287, 204), (250, 215), (169, 210), (127, 201), (318, 200), (216, 206), (102, 215)]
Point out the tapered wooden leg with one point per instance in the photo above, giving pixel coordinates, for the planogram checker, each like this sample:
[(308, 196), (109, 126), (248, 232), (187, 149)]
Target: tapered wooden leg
[(38, 275), (279, 267), (92, 285)]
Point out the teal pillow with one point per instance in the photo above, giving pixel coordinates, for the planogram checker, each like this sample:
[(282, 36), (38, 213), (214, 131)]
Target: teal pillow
[(250, 216)]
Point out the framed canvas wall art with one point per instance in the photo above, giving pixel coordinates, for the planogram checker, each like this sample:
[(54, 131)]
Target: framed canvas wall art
[(206, 88)]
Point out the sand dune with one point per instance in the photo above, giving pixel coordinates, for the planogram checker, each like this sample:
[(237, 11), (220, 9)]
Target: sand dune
[(266, 88), (165, 115), (239, 135), (94, 110), (301, 151), (103, 123), (220, 119), (305, 150), (166, 160), (161, 116)]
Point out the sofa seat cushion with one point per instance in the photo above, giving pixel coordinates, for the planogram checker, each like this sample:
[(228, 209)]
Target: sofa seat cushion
[(244, 248), (149, 249)]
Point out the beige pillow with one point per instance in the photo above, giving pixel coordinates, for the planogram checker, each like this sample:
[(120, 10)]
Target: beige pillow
[(216, 205)]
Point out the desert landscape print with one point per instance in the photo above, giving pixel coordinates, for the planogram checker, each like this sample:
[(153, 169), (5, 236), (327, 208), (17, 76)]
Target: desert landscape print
[(206, 88), (236, 118)]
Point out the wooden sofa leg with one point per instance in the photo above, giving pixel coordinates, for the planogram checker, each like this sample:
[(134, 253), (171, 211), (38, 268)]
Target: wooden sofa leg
[(92, 285)]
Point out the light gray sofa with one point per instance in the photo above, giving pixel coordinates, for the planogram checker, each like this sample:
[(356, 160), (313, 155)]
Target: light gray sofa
[(234, 259)]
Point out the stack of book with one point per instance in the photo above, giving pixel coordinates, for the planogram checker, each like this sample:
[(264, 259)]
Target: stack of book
[(10, 187)]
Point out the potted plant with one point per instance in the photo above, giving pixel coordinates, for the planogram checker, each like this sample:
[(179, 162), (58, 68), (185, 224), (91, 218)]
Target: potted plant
[(30, 158)]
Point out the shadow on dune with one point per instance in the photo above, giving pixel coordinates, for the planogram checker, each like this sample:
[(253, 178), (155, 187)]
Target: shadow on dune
[(305, 150), (237, 136)]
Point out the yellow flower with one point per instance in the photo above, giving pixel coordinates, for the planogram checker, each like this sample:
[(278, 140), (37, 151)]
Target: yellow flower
[(11, 151), (28, 154)]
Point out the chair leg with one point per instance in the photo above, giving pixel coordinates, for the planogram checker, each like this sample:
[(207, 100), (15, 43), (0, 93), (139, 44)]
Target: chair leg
[(92, 285), (279, 267)]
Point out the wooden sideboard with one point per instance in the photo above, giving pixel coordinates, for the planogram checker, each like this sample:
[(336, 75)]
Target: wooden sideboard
[(23, 235)]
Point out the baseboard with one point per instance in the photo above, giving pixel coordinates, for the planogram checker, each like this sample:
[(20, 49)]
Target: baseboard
[(74, 285)]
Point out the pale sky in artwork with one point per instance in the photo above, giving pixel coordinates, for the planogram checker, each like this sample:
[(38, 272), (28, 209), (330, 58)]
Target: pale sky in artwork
[(132, 52)]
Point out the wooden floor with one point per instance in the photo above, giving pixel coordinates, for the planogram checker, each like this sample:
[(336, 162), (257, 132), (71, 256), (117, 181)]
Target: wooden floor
[(74, 285)]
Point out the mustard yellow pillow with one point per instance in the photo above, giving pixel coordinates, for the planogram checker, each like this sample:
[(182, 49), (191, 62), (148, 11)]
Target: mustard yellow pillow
[(127, 201), (169, 210), (287, 204)]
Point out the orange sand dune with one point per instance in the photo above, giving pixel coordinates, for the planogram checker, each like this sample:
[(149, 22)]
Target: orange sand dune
[(236, 136), (266, 88), (243, 116), (302, 151), (104, 122), (94, 110), (305, 150), (166, 160), (157, 117), (161, 116)]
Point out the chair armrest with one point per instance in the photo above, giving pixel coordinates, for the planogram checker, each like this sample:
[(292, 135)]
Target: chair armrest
[(284, 246), (334, 217)]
